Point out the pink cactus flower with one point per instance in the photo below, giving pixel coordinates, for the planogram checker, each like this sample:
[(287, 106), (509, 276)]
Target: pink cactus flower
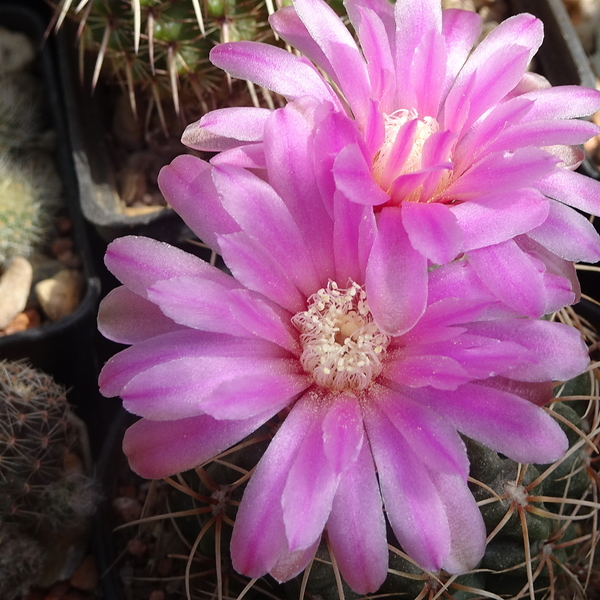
[(322, 318), (477, 152)]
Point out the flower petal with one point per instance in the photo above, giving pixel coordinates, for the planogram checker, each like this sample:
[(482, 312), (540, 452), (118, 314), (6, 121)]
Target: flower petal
[(356, 526), (396, 277), (157, 449)]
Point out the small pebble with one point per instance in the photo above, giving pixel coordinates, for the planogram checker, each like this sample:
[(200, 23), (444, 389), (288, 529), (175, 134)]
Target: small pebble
[(59, 296), (136, 548), (15, 284), (157, 595), (25, 320)]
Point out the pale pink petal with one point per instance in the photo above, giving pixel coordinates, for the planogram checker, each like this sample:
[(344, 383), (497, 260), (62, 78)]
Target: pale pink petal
[(290, 153), (467, 529), (251, 156), (568, 234), (338, 45), (502, 172), (126, 318), (187, 186), (413, 20), (225, 128), (559, 350), (274, 68), (504, 422), (496, 218), (261, 214), (128, 363), (573, 189), (343, 433), (356, 526), (512, 276), (157, 449), (433, 230), (428, 69), (353, 177), (289, 564), (257, 316), (194, 302), (461, 29), (563, 102), (259, 540), (396, 276), (429, 435), (309, 490), (139, 262), (253, 265), (412, 503), (232, 388)]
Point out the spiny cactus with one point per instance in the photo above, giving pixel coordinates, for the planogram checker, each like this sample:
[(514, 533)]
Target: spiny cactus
[(30, 195), (155, 49), (21, 562), (38, 436), (541, 521)]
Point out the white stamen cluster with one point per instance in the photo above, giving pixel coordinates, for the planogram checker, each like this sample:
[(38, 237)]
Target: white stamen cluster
[(393, 122), (342, 346)]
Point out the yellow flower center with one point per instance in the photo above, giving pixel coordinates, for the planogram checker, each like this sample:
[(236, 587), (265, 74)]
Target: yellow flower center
[(342, 347)]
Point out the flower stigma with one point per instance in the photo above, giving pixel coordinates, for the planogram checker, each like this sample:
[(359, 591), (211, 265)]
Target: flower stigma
[(342, 347)]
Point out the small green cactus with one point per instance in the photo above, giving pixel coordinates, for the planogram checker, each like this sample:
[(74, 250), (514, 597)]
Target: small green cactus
[(30, 196)]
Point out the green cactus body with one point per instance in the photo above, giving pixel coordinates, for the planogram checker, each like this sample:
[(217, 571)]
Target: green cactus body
[(30, 195)]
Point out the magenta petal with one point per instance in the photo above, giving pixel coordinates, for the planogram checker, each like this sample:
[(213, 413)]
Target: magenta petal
[(253, 265), (430, 436), (412, 503), (568, 234), (559, 350), (574, 189), (194, 302), (259, 539), (290, 153), (187, 186), (231, 387), (343, 433), (139, 262), (563, 102), (461, 30), (441, 372), (288, 25), (338, 45), (274, 68), (126, 318), (354, 179), (396, 276), (467, 529), (428, 70), (289, 564), (158, 449), (308, 493), (433, 230), (504, 422), (251, 156), (186, 343), (510, 274), (261, 214), (496, 218), (356, 526), (258, 317)]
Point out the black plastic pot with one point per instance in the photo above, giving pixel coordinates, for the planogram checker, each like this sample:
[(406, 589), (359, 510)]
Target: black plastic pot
[(63, 348)]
